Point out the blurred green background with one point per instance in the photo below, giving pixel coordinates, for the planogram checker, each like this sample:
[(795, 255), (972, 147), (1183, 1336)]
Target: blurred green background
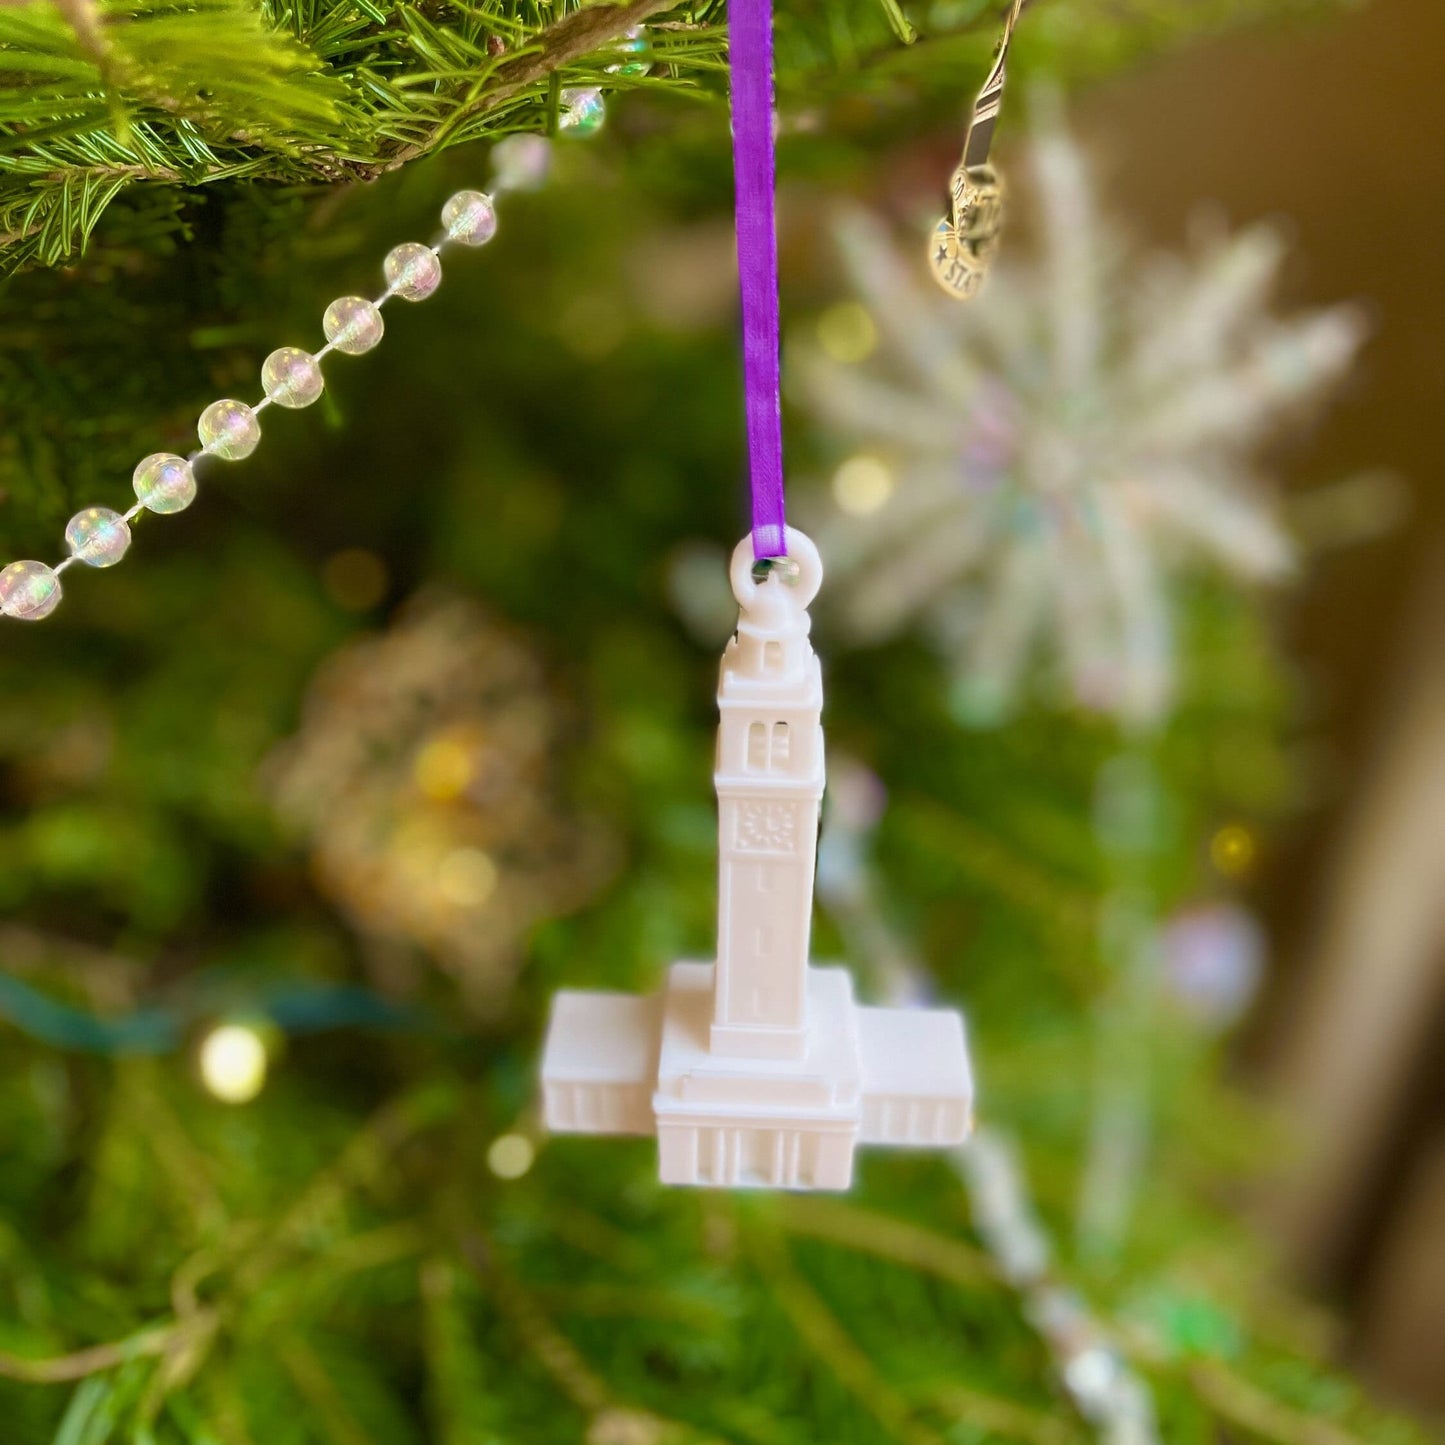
[(407, 723)]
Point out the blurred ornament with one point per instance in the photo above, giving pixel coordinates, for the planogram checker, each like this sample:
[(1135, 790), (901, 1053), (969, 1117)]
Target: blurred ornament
[(1061, 449), (421, 777), (1213, 961), (233, 1063)]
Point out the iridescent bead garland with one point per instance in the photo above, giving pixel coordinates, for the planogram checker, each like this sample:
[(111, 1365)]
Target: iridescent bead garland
[(290, 377)]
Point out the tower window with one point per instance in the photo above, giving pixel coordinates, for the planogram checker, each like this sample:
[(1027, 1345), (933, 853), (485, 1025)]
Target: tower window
[(757, 747), (773, 656), (782, 747)]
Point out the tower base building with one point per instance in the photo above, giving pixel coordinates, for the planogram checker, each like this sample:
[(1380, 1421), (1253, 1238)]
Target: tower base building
[(760, 1070), (619, 1064)]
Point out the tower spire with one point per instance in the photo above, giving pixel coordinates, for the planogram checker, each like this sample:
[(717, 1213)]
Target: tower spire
[(769, 782)]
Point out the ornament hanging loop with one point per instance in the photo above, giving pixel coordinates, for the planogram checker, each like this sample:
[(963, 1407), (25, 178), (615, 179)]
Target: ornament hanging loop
[(965, 241), (794, 588)]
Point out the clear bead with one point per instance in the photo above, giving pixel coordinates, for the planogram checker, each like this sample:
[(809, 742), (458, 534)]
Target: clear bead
[(470, 218), (412, 270), (634, 48), (520, 162), (583, 110), (291, 377), (165, 483), (29, 591), (97, 536), (353, 324), (229, 429)]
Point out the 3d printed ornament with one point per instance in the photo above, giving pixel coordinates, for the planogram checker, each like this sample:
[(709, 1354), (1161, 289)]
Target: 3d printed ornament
[(758, 1069)]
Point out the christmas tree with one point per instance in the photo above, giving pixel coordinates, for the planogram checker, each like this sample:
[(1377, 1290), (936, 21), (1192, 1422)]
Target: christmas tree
[(316, 798)]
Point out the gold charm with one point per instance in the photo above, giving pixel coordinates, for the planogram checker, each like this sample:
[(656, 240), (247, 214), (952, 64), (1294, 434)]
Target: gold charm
[(964, 241)]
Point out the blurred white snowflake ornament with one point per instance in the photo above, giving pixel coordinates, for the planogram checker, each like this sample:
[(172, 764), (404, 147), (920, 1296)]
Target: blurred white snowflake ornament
[(1031, 469)]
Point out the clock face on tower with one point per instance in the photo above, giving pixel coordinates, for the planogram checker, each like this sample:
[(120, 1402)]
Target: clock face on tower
[(766, 826)]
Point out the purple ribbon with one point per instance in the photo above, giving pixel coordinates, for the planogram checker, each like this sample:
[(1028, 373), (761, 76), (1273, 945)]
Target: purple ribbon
[(750, 49)]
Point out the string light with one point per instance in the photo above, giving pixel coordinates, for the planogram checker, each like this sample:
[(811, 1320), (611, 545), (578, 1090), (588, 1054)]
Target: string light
[(863, 485), (846, 332), (1232, 850), (511, 1155), (466, 877), (233, 1063), (444, 768)]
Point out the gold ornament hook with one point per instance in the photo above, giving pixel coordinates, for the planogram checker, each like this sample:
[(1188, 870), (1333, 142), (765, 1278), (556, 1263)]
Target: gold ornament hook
[(964, 242)]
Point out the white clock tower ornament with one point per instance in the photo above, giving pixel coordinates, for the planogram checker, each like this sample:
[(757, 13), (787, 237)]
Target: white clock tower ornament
[(759, 1069)]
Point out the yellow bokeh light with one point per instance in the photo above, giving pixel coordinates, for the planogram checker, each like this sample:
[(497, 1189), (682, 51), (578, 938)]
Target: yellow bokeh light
[(419, 844), (846, 332), (233, 1063), (863, 485), (1232, 850), (510, 1156), (443, 769), (466, 877)]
